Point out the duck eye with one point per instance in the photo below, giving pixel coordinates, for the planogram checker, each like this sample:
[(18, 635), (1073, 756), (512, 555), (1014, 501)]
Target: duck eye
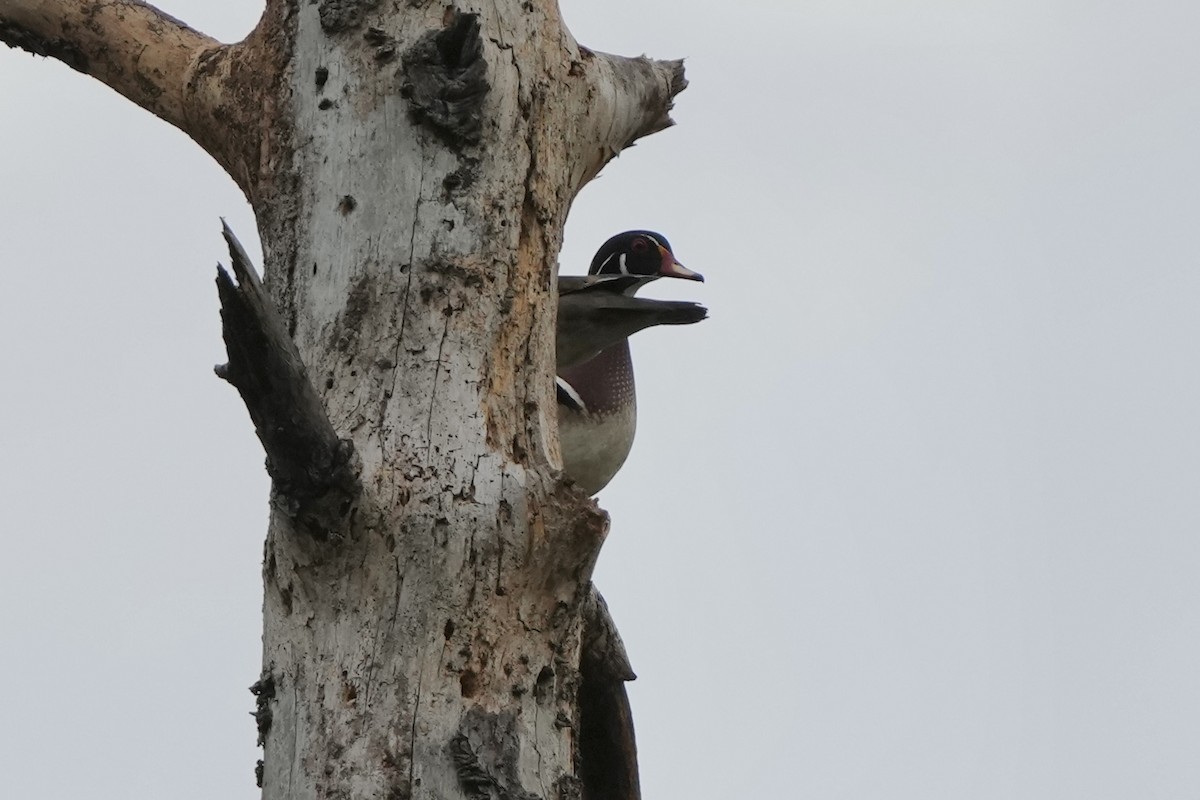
[(639, 245)]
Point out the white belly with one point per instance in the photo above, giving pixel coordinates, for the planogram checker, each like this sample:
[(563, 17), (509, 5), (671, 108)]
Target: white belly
[(595, 446)]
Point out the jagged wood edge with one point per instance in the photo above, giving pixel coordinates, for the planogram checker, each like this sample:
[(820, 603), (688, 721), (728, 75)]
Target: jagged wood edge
[(311, 467)]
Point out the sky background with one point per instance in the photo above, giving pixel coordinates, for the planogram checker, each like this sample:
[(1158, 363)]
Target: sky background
[(915, 514)]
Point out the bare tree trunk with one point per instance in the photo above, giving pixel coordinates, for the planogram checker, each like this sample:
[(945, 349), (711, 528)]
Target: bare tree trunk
[(411, 167)]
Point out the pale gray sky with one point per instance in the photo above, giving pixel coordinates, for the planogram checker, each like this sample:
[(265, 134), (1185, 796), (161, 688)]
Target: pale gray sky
[(913, 516)]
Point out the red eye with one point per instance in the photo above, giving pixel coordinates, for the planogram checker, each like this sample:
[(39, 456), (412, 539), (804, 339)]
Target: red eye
[(639, 245)]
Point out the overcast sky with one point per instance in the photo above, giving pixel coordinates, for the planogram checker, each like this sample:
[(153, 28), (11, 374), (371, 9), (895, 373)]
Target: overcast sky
[(914, 516)]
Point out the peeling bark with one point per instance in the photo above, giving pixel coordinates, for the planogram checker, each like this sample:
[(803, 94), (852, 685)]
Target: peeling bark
[(430, 629)]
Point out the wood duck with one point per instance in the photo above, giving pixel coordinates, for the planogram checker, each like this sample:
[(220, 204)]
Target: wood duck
[(597, 404)]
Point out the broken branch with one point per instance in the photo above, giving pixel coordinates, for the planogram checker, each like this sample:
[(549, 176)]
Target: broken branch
[(629, 98), (312, 469)]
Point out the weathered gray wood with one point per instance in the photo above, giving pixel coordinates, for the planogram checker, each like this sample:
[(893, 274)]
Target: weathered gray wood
[(411, 167)]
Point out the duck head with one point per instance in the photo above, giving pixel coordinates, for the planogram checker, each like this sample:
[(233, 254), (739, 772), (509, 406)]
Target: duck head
[(642, 253)]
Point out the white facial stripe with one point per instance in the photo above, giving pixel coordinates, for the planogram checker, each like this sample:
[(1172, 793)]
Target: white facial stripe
[(604, 263), (569, 390), (651, 238), (624, 267)]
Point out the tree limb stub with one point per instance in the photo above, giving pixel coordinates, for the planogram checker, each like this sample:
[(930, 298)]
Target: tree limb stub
[(312, 469), (628, 98), (133, 47)]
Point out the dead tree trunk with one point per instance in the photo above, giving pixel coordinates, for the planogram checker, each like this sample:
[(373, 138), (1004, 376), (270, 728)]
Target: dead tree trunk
[(411, 166)]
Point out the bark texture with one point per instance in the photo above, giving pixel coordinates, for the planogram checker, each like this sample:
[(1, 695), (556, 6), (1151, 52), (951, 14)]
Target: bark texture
[(427, 573)]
